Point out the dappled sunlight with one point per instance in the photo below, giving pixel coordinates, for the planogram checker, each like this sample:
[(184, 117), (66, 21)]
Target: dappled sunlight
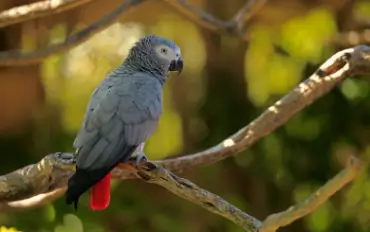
[(228, 143)]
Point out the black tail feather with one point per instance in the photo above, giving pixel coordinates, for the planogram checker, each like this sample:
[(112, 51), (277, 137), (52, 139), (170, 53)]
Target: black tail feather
[(84, 179), (81, 181)]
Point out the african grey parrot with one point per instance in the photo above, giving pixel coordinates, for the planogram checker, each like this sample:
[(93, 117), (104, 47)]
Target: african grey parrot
[(123, 112)]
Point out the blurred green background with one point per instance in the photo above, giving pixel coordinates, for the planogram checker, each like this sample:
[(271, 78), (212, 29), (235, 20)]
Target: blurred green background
[(225, 84)]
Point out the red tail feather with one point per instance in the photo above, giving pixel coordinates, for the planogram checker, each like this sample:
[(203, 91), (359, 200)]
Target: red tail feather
[(100, 194)]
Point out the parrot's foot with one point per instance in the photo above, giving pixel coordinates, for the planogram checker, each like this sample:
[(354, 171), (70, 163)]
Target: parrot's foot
[(140, 157), (66, 158)]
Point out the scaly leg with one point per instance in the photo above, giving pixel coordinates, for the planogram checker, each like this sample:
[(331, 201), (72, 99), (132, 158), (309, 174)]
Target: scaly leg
[(140, 155)]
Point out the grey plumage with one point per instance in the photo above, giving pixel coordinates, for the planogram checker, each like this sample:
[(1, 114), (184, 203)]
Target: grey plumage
[(123, 112), (128, 110)]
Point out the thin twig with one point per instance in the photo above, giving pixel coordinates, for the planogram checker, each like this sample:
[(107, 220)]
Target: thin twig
[(274, 221), (37, 9), (184, 188), (207, 20), (245, 14), (248, 10), (199, 16), (11, 58)]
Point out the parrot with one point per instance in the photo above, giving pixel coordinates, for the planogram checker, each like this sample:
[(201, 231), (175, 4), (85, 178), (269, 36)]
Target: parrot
[(122, 113)]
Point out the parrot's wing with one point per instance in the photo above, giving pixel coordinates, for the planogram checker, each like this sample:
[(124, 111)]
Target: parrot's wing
[(119, 117)]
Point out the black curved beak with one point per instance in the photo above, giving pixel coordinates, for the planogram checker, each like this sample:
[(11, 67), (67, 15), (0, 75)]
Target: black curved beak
[(177, 65)]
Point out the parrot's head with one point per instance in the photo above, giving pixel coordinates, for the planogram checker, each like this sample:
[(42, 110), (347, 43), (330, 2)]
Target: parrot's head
[(158, 53)]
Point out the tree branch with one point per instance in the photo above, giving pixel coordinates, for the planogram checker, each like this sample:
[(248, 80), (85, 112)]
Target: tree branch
[(155, 174), (274, 221), (33, 202), (11, 58), (51, 173), (37, 9)]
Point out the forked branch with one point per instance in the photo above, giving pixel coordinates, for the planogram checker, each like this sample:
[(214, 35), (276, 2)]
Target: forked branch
[(234, 26)]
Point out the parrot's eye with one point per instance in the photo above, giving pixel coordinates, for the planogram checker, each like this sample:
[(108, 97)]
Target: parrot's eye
[(164, 50)]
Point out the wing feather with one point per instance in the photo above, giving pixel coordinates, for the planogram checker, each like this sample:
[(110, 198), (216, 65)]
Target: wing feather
[(116, 110)]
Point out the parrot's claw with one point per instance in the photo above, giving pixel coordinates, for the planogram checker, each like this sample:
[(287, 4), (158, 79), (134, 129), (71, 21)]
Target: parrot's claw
[(140, 157), (66, 158)]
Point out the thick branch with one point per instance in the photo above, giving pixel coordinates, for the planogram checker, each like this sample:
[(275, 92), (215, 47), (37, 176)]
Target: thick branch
[(11, 58), (37, 9), (184, 188), (274, 221), (51, 173)]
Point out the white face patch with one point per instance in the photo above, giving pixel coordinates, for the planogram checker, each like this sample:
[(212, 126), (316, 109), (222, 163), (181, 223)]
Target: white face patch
[(167, 53), (178, 52)]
